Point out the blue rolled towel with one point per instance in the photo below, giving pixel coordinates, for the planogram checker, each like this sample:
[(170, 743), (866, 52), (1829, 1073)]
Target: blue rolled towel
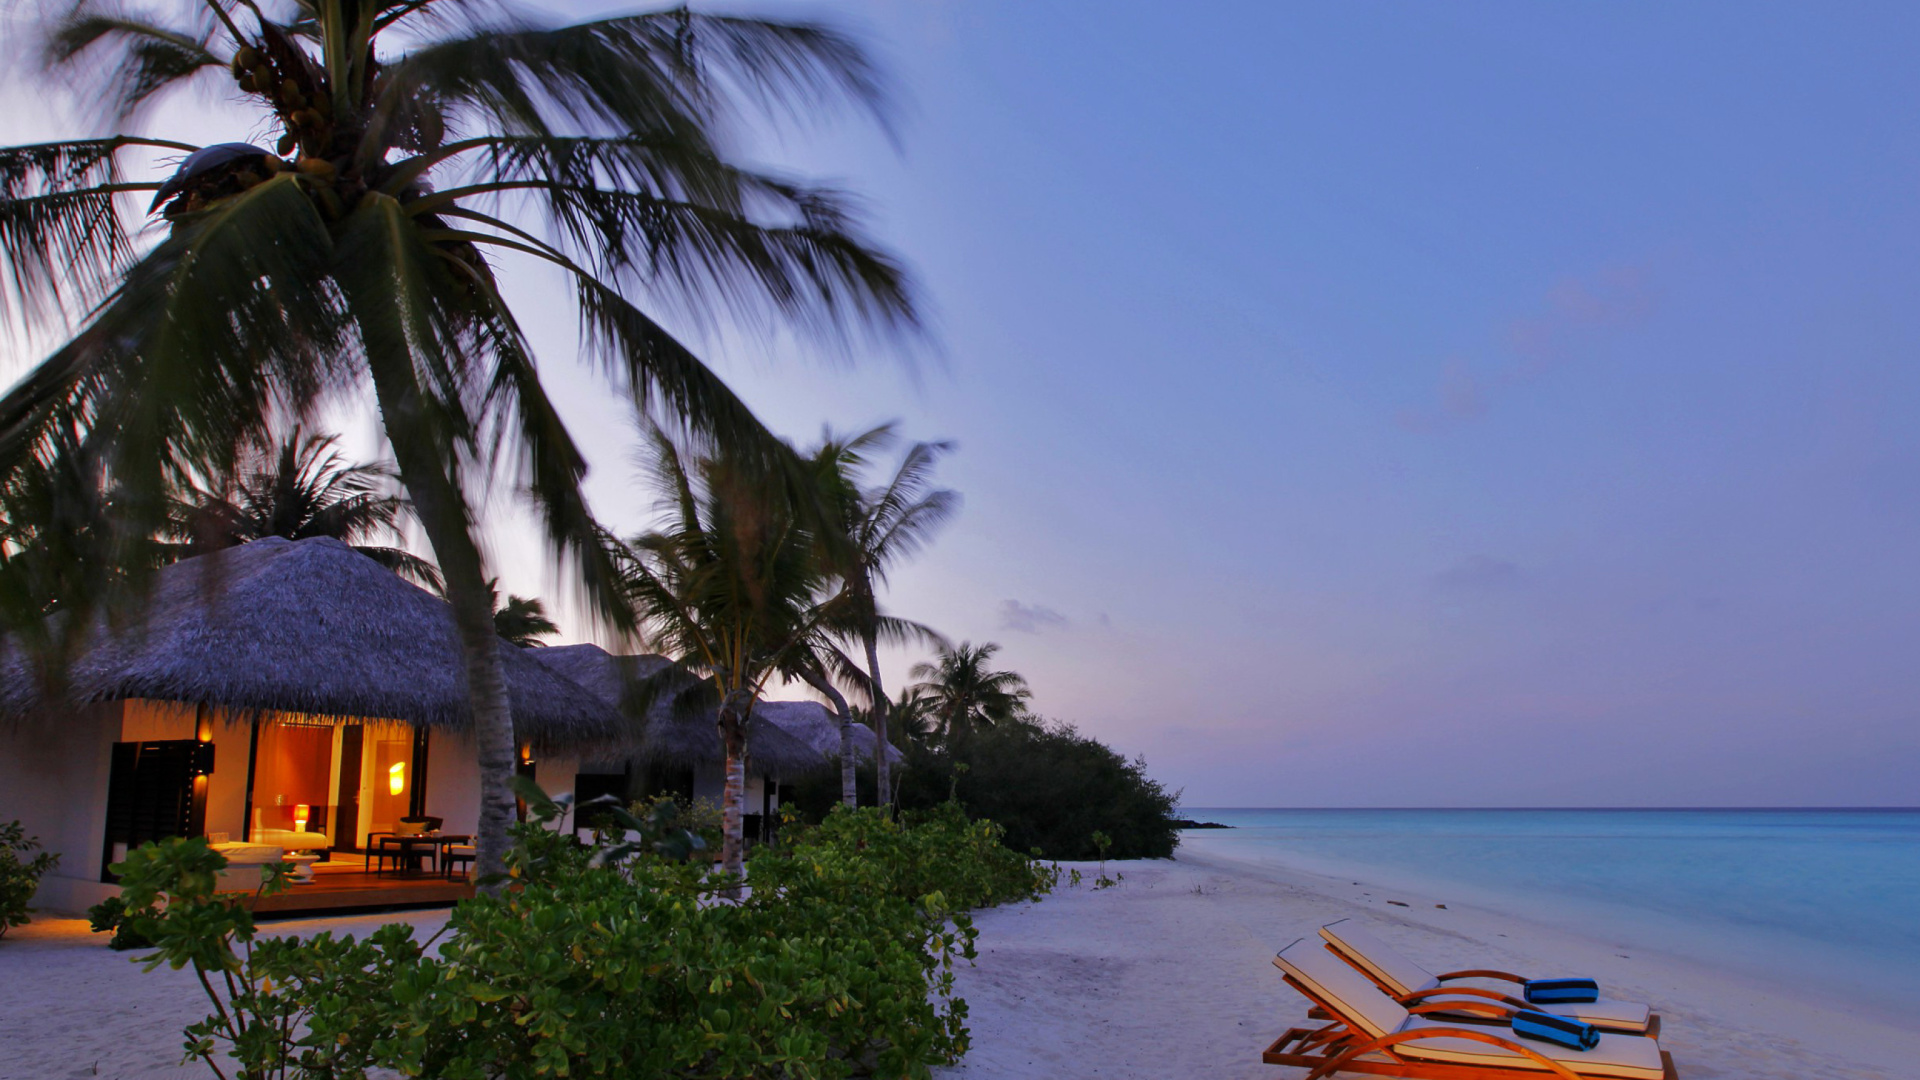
[(1561, 991), (1547, 1027)]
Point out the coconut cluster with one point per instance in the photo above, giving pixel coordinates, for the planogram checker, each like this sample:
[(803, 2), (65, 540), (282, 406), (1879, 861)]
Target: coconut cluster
[(306, 113)]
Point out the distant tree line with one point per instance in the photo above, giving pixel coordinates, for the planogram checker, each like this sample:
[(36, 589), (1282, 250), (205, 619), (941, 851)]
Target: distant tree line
[(967, 736)]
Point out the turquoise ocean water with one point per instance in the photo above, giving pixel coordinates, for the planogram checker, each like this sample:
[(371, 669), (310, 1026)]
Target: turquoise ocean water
[(1827, 897)]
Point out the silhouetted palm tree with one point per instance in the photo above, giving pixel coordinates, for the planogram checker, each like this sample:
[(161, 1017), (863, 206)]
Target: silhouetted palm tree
[(419, 141), (963, 692), (297, 489), (522, 620)]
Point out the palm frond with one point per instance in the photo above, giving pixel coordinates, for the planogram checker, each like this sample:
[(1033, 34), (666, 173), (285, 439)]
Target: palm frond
[(63, 246), (148, 57), (654, 72), (665, 379), (175, 368)]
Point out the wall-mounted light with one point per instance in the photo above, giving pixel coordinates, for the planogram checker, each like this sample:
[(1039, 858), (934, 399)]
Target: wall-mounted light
[(397, 778)]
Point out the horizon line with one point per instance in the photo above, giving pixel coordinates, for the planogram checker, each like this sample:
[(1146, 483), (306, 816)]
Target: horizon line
[(1536, 809)]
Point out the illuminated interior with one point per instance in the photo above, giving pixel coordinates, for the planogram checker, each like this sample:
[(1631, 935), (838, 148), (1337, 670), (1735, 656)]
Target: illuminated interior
[(294, 778), (298, 786)]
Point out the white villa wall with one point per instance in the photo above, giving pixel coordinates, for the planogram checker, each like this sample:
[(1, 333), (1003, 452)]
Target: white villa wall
[(227, 785), (53, 780), (453, 780)]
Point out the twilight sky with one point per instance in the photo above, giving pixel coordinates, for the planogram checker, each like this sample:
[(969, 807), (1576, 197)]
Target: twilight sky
[(1406, 405)]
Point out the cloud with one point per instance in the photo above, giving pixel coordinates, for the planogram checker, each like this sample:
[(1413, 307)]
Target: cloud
[(1029, 618), (1480, 574), (1576, 315)]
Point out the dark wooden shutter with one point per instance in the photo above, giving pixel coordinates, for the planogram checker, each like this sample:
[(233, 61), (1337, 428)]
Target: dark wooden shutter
[(150, 795)]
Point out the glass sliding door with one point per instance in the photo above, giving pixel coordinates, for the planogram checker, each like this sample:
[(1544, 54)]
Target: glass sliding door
[(294, 784)]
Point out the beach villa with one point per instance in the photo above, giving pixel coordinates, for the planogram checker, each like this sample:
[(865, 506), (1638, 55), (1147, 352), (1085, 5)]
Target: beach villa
[(296, 695)]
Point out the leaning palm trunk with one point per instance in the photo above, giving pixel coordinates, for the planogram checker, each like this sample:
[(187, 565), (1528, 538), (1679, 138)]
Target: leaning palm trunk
[(881, 792), (443, 516), (849, 754)]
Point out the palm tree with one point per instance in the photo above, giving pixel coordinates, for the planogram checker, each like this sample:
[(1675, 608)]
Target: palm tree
[(730, 586), (881, 526), (522, 620), (299, 488), (420, 141), (963, 693), (873, 529)]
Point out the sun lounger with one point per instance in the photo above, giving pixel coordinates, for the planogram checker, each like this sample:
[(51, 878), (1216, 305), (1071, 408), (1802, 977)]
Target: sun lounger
[(1411, 984), (1370, 1032)]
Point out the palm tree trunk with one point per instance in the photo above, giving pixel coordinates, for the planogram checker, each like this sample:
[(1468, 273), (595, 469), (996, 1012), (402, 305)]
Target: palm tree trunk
[(734, 710), (849, 755), (443, 517), (882, 793)]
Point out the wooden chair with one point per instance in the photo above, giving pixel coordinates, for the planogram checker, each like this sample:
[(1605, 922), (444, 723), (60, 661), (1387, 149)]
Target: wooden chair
[(457, 855), (1410, 984), (378, 853), (1370, 1032)]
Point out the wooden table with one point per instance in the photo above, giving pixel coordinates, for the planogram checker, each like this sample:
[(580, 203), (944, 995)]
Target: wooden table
[(414, 846)]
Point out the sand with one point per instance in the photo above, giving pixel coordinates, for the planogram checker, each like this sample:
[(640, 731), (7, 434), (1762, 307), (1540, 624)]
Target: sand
[(1166, 975), (1170, 974)]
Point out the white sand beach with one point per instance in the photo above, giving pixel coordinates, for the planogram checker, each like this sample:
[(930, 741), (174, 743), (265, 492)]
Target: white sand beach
[(1164, 975), (1169, 974)]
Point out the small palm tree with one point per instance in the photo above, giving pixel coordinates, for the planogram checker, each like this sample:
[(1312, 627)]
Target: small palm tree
[(731, 587), (418, 143), (963, 692), (872, 528), (522, 620), (299, 488)]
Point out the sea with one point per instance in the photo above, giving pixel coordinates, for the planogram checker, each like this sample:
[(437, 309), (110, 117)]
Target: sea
[(1797, 898)]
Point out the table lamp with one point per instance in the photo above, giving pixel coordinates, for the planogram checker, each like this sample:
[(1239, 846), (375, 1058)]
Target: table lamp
[(302, 813)]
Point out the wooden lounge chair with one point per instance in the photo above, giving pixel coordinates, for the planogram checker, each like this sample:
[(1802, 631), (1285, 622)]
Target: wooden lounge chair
[(1370, 1032), (1411, 984)]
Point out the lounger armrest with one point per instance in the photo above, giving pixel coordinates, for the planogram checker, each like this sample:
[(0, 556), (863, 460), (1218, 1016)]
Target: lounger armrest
[(1464, 991), (1482, 973), (1484, 1008)]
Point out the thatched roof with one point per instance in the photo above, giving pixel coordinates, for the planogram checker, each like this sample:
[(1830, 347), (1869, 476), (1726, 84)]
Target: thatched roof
[(312, 626), (786, 739)]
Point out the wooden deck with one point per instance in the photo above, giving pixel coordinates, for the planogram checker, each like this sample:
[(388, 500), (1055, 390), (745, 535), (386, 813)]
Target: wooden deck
[(341, 889)]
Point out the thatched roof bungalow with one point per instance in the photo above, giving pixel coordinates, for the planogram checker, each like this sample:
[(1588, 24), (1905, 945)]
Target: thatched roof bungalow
[(788, 739), (291, 693)]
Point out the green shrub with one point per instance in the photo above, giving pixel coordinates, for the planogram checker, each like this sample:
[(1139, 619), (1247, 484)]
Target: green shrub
[(701, 817), (1051, 789), (618, 959), (19, 876)]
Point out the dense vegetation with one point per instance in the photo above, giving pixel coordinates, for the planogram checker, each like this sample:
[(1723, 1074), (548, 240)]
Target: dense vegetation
[(611, 960), (1047, 786)]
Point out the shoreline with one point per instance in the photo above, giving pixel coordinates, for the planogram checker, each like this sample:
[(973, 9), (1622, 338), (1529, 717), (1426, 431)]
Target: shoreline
[(1170, 973)]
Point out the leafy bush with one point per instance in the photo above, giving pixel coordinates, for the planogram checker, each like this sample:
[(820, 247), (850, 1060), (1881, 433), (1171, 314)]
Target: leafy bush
[(701, 817), (939, 853), (19, 876), (617, 959), (1051, 789)]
